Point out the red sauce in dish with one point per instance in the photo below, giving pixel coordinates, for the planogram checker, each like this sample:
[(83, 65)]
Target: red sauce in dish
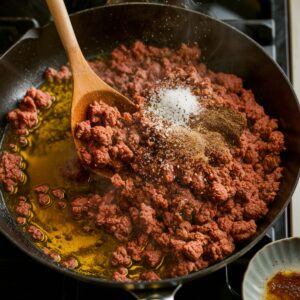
[(284, 286)]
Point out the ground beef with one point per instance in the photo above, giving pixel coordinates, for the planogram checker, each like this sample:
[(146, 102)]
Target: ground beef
[(134, 250), (41, 189), (255, 209), (61, 204), (11, 173), (43, 199), (21, 221), (225, 223), (243, 230), (229, 81), (69, 263), (119, 226), (35, 232), (208, 206), (82, 206), (164, 207), (117, 181), (25, 117), (58, 76), (193, 250), (52, 254), (23, 208), (120, 257), (220, 249), (121, 275), (22, 119), (41, 99), (107, 216), (153, 257), (58, 194), (23, 141), (151, 275), (181, 267)]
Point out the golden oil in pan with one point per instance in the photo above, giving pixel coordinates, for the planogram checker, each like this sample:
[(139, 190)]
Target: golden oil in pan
[(50, 148)]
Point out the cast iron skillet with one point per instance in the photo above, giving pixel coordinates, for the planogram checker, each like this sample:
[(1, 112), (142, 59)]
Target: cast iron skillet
[(224, 49)]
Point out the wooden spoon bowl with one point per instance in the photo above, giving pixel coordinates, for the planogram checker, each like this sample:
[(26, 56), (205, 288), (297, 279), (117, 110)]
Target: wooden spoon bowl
[(88, 87)]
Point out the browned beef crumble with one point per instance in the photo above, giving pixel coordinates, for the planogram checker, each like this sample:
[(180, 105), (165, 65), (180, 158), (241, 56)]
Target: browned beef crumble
[(58, 193), (189, 213), (35, 232), (52, 254), (70, 263), (25, 117), (185, 214), (23, 208), (11, 173)]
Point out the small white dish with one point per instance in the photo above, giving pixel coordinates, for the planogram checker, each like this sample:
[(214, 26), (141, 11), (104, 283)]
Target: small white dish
[(281, 255)]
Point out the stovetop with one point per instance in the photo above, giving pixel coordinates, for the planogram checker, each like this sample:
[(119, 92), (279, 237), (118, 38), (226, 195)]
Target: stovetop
[(23, 278)]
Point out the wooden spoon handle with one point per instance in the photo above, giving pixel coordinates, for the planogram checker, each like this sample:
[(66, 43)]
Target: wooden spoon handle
[(64, 27)]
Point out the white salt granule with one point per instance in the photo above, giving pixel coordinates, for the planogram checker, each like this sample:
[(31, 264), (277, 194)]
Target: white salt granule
[(174, 106)]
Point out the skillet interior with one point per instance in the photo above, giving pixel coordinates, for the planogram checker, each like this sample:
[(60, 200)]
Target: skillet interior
[(224, 49)]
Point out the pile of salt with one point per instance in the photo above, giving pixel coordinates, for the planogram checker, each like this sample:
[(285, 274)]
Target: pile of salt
[(173, 106)]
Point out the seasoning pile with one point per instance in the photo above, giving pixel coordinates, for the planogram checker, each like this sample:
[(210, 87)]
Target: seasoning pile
[(195, 167), (172, 107)]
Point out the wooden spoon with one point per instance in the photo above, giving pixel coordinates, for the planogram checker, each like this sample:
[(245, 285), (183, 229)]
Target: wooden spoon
[(87, 86)]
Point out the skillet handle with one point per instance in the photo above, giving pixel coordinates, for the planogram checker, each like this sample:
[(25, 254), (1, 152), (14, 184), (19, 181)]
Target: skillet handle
[(182, 3), (156, 294)]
